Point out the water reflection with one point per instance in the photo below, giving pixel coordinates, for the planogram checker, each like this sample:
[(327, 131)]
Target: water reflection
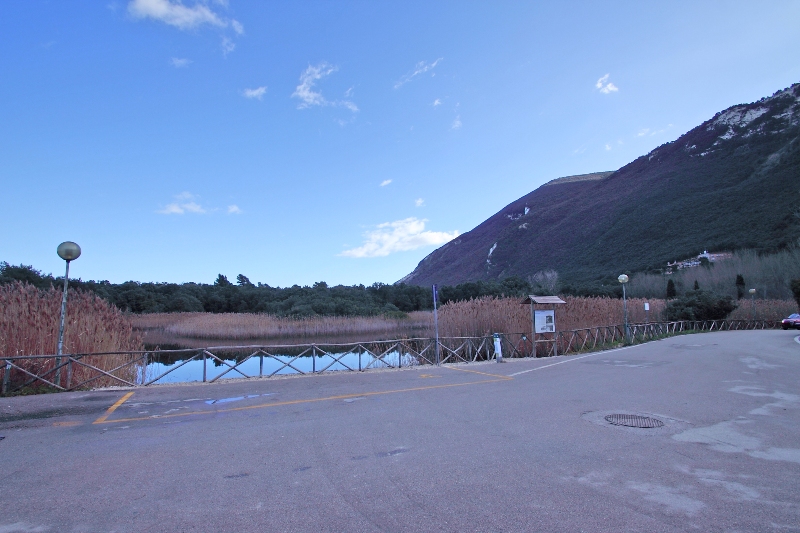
[(178, 370)]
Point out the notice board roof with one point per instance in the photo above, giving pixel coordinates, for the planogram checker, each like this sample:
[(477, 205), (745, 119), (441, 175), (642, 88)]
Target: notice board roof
[(533, 299)]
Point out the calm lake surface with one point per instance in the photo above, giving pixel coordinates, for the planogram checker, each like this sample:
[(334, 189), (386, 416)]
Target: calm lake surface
[(285, 363)]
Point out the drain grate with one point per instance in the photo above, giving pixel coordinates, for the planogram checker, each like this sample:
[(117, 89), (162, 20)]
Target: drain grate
[(634, 421)]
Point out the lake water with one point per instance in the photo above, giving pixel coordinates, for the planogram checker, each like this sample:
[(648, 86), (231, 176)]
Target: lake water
[(178, 370)]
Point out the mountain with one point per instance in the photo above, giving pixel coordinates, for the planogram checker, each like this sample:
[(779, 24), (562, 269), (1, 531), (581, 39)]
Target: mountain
[(733, 182)]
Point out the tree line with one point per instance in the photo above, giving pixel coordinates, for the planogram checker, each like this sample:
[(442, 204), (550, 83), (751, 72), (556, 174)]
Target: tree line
[(243, 296)]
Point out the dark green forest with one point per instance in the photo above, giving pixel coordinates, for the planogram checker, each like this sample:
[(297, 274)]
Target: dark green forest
[(243, 296)]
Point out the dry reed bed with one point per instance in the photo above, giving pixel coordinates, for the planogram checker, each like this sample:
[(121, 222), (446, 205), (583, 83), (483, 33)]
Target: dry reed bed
[(487, 315), (259, 326), (29, 321), (477, 317), (772, 310)]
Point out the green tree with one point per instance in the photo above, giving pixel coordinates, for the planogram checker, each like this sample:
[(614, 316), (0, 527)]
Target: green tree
[(739, 286), (671, 292), (222, 281), (25, 274), (796, 290), (243, 281), (696, 285)]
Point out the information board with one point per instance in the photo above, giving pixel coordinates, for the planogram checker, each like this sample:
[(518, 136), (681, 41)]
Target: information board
[(545, 321)]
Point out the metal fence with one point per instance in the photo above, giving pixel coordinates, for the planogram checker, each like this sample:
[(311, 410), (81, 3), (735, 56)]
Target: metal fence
[(143, 368)]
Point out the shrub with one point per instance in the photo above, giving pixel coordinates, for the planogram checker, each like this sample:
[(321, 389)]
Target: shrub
[(700, 305)]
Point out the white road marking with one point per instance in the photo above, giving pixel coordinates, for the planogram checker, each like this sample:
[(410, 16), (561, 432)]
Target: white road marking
[(572, 358)]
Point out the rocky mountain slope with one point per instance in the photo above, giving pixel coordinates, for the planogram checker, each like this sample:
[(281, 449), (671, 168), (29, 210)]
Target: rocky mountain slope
[(732, 182)]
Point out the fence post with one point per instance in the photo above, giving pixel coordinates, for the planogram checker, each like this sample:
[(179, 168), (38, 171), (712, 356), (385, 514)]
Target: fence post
[(69, 372), (313, 359), (6, 376), (204, 366), (261, 365)]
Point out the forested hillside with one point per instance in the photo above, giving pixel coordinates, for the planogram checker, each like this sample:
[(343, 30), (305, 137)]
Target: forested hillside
[(728, 184)]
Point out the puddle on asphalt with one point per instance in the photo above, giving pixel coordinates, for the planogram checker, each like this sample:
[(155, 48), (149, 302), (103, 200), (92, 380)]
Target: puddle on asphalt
[(626, 363), (351, 400), (692, 346), (237, 398), (397, 451)]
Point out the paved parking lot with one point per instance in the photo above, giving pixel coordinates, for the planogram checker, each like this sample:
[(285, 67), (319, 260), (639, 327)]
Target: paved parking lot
[(520, 446)]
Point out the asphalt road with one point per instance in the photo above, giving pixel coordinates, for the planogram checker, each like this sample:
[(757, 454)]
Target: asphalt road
[(520, 446)]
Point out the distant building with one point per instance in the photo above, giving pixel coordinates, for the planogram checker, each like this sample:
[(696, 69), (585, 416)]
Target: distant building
[(695, 261)]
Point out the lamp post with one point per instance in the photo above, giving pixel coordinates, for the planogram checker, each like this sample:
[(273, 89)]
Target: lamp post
[(68, 251), (624, 279), (753, 299)]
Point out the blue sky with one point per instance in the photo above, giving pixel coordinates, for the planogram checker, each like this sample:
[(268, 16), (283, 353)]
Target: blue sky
[(338, 141)]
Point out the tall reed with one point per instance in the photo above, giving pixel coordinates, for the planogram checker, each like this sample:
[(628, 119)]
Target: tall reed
[(29, 322), (242, 326), (486, 315), (772, 310)]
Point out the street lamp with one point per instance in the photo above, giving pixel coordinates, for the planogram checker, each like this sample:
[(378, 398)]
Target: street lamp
[(624, 279), (753, 299), (68, 251)]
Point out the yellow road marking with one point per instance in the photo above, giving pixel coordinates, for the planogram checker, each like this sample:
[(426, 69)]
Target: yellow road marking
[(476, 372), (102, 420), (428, 376), (113, 408)]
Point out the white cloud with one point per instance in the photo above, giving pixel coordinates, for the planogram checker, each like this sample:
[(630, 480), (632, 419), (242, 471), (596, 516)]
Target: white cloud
[(255, 93), (650, 132), (307, 94), (228, 46), (180, 62), (606, 86), (349, 105), (305, 91), (398, 236), (421, 68), (608, 147), (456, 123), (419, 202), (185, 203), (176, 14), (234, 210), (437, 102), (384, 183)]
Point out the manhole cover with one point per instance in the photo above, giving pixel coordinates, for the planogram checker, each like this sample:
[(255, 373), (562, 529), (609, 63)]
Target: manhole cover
[(634, 421)]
